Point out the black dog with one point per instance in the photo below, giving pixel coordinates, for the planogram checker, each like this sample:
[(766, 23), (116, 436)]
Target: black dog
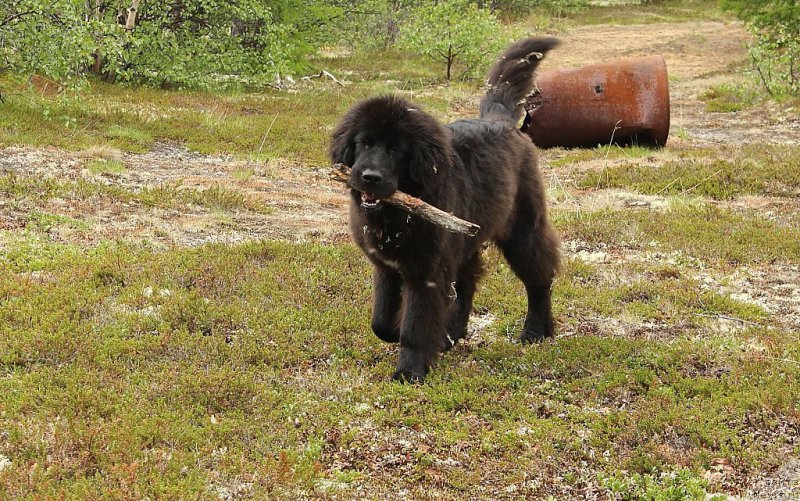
[(483, 170)]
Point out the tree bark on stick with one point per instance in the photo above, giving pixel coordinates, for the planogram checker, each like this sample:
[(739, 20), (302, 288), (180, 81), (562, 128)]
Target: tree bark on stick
[(414, 206)]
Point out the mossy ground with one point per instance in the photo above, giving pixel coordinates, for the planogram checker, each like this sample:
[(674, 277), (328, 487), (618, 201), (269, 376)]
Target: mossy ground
[(132, 372)]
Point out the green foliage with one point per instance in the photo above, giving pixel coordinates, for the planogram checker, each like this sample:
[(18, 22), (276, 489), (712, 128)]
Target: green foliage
[(203, 43), (775, 49), (379, 23), (749, 171), (676, 486), (775, 58), (767, 14), (515, 9), (562, 8), (454, 32), (175, 43), (725, 98), (52, 38)]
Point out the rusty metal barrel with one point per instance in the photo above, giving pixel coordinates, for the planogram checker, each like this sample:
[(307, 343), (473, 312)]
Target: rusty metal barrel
[(624, 101)]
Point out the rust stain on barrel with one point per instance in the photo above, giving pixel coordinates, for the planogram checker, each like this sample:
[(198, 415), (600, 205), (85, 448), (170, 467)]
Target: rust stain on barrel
[(624, 100)]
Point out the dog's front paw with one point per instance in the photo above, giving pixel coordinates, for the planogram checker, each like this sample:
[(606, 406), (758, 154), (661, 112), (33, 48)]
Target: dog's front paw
[(404, 376), (533, 336), (537, 333), (412, 367)]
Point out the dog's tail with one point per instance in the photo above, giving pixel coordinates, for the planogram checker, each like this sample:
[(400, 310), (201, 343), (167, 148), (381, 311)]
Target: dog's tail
[(511, 78)]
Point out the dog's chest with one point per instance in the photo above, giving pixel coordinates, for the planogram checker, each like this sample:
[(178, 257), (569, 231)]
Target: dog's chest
[(386, 241), (386, 238)]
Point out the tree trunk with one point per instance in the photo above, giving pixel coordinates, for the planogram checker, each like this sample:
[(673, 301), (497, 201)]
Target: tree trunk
[(450, 58), (98, 57), (131, 21)]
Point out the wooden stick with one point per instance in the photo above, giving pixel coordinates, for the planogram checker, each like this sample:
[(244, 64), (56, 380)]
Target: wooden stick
[(341, 173)]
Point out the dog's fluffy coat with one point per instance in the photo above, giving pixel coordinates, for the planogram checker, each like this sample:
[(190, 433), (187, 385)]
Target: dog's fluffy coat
[(483, 170)]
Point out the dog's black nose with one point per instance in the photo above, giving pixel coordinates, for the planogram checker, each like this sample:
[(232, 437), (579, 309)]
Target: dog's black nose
[(371, 176)]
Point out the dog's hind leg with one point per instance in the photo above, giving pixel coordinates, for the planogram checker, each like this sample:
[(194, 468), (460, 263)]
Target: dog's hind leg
[(464, 290), (533, 254), (386, 301)]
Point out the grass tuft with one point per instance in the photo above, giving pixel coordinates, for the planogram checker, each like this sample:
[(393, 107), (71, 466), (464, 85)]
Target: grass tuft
[(751, 170), (730, 97), (106, 166), (702, 231)]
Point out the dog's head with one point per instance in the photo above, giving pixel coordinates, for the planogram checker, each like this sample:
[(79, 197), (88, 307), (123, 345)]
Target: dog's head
[(391, 145)]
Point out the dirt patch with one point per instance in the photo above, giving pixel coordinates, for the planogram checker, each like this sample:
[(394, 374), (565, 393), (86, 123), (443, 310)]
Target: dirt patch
[(784, 483), (698, 55), (299, 203), (685, 46), (775, 288)]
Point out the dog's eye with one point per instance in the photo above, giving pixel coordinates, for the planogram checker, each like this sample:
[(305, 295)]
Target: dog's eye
[(364, 143)]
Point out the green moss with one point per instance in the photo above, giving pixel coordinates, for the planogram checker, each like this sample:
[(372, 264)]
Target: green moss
[(198, 367), (704, 232), (730, 97), (106, 166), (749, 170)]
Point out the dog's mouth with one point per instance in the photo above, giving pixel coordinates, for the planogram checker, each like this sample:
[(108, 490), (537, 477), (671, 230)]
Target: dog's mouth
[(370, 201)]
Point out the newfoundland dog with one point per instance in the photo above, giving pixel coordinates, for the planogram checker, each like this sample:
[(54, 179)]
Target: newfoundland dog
[(483, 170)]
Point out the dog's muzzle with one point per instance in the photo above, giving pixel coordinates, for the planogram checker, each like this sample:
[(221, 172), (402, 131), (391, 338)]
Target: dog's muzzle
[(369, 201)]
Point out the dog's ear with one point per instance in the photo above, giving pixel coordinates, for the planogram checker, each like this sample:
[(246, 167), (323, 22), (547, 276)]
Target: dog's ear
[(342, 147), (431, 158)]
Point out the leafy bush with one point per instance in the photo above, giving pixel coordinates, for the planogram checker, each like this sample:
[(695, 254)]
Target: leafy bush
[(775, 50), (453, 31), (50, 38), (520, 8), (370, 24), (204, 43), (562, 8), (775, 57), (676, 486), (174, 43)]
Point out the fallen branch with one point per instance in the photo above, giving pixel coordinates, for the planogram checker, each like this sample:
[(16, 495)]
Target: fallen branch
[(323, 73), (341, 173)]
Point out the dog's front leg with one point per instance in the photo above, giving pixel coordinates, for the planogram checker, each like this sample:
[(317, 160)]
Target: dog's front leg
[(422, 331), (386, 301)]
